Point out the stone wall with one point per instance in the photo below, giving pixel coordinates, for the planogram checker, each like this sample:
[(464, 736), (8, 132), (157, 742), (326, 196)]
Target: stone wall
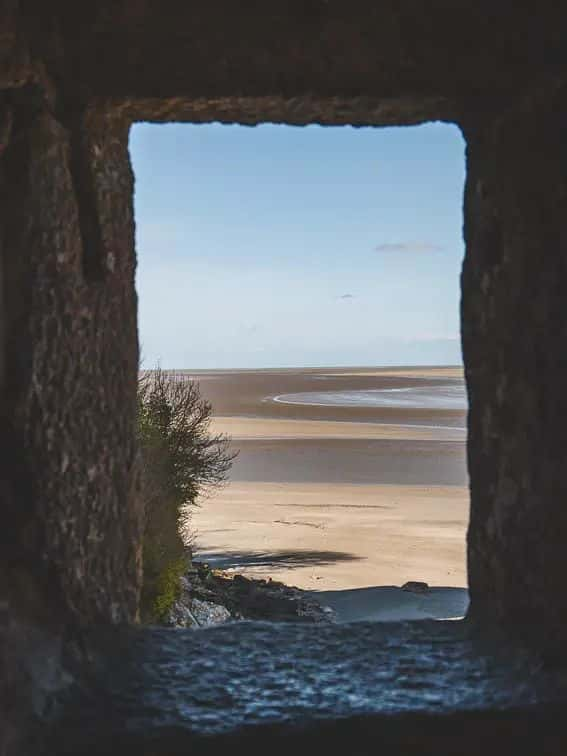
[(70, 350), (73, 76), (514, 326), (70, 536)]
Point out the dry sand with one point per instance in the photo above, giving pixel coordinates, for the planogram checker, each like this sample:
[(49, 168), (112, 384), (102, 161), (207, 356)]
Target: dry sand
[(348, 502), (247, 428)]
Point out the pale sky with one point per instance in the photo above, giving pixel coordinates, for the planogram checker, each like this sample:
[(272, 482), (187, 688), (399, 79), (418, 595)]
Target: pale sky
[(280, 246)]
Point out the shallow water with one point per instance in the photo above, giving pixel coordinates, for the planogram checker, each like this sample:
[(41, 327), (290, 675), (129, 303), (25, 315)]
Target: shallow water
[(445, 397)]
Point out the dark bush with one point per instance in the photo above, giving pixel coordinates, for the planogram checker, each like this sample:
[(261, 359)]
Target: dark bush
[(182, 461)]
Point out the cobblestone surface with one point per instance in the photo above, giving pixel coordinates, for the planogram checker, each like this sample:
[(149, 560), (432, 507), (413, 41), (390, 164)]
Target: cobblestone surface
[(218, 680)]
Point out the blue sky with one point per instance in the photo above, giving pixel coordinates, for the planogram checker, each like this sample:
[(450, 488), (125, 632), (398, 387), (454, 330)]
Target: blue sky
[(280, 246)]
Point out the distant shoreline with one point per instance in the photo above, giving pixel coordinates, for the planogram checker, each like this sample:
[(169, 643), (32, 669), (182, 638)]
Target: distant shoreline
[(442, 371)]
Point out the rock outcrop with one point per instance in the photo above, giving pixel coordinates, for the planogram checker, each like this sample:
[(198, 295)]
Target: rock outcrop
[(415, 586), (210, 597)]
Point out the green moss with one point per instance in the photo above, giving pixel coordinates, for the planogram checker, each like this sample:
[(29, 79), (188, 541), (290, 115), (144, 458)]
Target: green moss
[(168, 588), (161, 587)]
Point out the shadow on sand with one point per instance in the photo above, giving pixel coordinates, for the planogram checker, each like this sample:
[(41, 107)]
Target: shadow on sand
[(389, 603), (289, 558), (385, 603)]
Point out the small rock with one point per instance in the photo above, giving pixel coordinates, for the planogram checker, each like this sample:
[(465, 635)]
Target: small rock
[(180, 615), (414, 586), (206, 613)]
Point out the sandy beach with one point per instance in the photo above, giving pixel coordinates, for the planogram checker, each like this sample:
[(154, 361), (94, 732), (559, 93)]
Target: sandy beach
[(348, 501)]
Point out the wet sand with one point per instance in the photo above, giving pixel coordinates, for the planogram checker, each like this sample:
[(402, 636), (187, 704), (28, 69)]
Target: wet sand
[(351, 502)]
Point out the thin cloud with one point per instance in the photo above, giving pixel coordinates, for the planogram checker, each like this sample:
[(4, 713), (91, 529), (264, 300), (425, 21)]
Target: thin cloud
[(403, 247), (251, 328)]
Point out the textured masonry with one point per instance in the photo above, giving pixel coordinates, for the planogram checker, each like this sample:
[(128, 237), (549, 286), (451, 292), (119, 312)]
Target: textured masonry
[(74, 76)]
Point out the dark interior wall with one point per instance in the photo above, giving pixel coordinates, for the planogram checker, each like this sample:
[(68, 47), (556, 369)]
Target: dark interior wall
[(514, 326), (425, 60), (73, 76), (71, 355), (70, 538)]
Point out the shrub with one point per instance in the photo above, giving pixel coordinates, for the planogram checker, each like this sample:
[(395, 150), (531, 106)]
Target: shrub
[(182, 461)]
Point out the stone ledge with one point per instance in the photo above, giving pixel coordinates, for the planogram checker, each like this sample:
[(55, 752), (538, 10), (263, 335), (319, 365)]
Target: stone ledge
[(414, 685)]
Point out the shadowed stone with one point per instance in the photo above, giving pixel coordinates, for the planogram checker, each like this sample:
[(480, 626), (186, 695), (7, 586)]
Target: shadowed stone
[(73, 77)]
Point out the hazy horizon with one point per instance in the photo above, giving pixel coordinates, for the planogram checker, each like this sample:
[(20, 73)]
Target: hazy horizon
[(275, 368), (282, 247), (305, 367)]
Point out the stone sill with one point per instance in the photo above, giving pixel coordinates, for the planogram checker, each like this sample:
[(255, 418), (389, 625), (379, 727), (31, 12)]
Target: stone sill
[(414, 687)]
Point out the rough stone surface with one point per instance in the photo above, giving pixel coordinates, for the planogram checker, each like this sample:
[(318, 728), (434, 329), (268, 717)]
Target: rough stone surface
[(157, 59), (419, 687), (71, 352), (70, 543), (73, 76), (207, 613), (514, 329), (196, 613), (211, 596)]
